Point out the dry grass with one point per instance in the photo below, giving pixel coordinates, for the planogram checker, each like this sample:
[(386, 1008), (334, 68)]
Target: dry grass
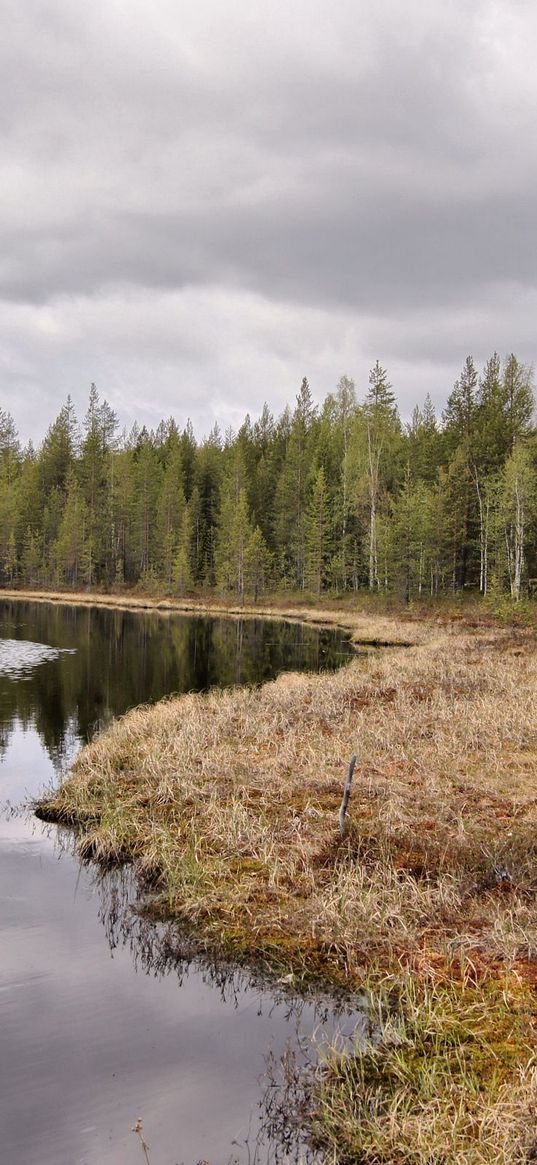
[(227, 804), (449, 1078)]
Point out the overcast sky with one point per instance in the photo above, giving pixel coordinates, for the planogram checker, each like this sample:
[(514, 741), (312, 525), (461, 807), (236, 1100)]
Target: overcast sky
[(203, 202)]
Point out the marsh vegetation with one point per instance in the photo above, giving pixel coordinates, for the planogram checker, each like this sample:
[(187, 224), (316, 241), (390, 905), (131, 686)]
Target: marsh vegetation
[(227, 805)]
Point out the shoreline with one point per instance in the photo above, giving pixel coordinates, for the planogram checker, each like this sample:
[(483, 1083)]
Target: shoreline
[(356, 623), (226, 804)]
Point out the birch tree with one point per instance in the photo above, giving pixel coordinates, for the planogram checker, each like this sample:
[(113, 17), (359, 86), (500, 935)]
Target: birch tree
[(518, 502)]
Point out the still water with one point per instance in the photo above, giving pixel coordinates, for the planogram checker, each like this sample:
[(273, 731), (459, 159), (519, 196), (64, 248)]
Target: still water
[(104, 1019)]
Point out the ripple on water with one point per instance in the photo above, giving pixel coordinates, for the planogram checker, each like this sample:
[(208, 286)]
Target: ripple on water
[(19, 658)]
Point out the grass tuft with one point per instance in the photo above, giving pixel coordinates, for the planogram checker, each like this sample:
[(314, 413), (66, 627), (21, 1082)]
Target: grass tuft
[(449, 1078)]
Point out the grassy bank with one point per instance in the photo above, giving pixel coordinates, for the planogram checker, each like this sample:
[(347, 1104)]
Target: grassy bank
[(374, 627), (450, 1079), (227, 803)]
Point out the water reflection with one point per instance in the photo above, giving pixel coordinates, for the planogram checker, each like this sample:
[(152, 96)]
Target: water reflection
[(98, 1033), (107, 1017), (85, 665), (275, 1134)]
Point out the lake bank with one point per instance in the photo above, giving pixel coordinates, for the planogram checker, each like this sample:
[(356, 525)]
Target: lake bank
[(147, 1016), (369, 628), (227, 805)]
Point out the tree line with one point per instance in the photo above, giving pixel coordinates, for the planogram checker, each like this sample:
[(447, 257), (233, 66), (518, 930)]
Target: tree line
[(332, 498)]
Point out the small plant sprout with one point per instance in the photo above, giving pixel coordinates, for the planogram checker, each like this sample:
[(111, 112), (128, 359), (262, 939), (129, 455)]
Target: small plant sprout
[(137, 1128)]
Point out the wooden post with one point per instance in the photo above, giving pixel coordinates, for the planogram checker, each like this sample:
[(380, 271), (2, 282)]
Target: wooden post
[(346, 795)]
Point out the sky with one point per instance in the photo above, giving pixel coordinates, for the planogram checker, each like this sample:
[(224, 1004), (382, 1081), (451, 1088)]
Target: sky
[(201, 203)]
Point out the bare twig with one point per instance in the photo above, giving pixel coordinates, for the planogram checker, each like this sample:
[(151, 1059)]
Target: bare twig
[(346, 795)]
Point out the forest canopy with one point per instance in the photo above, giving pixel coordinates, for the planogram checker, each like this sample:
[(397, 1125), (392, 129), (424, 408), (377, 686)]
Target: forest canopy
[(332, 498)]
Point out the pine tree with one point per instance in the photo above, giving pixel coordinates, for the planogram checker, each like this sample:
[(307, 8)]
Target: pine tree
[(147, 481), (170, 509), (461, 432), (69, 547), (461, 412), (208, 475), (456, 491), (264, 473), (31, 558), (518, 402), (59, 449), (234, 537), (317, 536), (96, 477), (490, 421), (340, 498), (291, 496), (413, 536), (10, 465), (331, 452), (257, 564), (182, 567), (382, 427), (188, 459), (10, 451), (423, 442), (28, 506), (345, 413), (124, 562)]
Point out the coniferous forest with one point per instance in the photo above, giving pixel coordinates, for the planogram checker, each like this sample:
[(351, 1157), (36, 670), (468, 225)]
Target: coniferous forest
[(337, 498)]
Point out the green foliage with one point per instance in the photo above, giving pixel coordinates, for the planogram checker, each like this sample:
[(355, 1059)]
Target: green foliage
[(183, 560), (317, 536), (446, 1078), (257, 565), (70, 549), (341, 497)]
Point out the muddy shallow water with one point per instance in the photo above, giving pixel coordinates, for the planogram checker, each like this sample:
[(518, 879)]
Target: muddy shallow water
[(101, 1023)]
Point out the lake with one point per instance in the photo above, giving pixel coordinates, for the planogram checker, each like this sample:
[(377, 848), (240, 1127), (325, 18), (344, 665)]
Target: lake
[(104, 1018)]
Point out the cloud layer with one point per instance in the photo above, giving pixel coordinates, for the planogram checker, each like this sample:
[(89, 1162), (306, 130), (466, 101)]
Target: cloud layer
[(200, 205)]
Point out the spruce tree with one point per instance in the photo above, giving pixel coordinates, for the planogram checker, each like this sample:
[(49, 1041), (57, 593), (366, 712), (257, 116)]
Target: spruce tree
[(96, 476), (69, 547), (461, 431), (317, 528), (147, 472), (59, 449), (382, 428), (170, 509), (292, 487), (257, 564), (233, 540)]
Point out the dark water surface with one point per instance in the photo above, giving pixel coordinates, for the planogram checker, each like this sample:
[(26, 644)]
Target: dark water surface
[(100, 1023)]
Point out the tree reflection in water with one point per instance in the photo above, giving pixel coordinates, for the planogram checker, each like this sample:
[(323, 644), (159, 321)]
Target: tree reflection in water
[(115, 660), (93, 664), (286, 1105)]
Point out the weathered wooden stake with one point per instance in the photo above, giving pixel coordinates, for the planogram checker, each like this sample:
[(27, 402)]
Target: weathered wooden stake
[(346, 795)]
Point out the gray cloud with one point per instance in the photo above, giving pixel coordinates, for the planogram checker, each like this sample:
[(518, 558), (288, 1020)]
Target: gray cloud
[(353, 175)]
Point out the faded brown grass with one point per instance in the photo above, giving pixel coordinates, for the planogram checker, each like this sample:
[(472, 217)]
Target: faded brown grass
[(227, 804), (449, 1078)]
